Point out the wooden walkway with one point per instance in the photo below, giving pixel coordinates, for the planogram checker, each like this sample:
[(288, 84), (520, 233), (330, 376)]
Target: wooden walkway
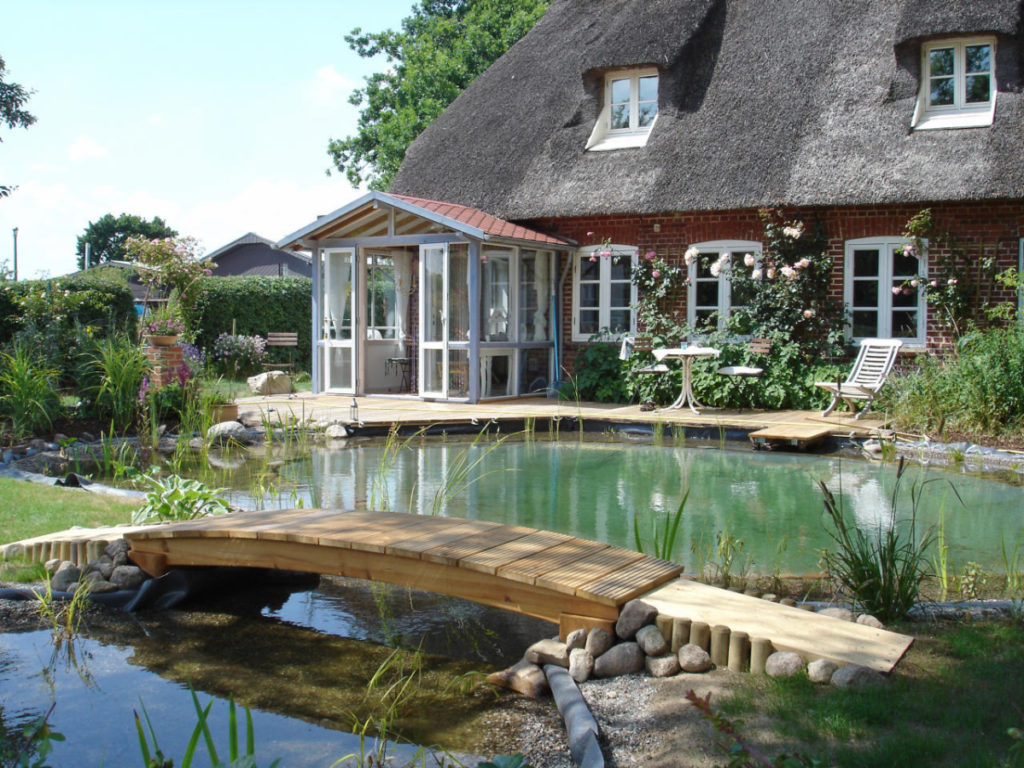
[(571, 582)]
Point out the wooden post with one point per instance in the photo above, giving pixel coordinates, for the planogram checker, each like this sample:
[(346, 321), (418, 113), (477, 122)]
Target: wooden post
[(739, 650), (664, 624), (680, 634), (719, 645), (760, 650), (700, 634)]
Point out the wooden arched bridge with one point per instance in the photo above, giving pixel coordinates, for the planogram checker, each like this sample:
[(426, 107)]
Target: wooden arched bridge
[(572, 582)]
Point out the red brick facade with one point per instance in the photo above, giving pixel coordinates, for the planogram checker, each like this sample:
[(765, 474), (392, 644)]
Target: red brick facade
[(165, 364), (989, 229)]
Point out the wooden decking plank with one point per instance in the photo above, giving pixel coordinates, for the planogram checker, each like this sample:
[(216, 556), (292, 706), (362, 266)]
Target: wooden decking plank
[(624, 584), (348, 534), (437, 535), (390, 532), (527, 569), (489, 561), (452, 552), (590, 568), (216, 525), (285, 527)]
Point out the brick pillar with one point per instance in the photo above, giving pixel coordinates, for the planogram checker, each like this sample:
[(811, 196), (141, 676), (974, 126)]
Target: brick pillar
[(165, 361)]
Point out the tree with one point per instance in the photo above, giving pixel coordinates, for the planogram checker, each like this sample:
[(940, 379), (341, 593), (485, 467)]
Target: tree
[(106, 236), (12, 111), (440, 50)]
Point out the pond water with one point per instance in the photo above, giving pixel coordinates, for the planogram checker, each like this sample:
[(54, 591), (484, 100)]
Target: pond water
[(594, 489), (299, 660)]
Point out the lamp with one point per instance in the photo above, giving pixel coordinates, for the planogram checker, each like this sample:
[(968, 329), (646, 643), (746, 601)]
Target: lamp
[(353, 411)]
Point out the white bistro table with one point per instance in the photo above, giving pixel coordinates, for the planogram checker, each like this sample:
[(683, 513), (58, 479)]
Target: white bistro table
[(686, 355)]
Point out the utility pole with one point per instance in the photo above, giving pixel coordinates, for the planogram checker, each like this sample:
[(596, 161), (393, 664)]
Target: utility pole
[(15, 230)]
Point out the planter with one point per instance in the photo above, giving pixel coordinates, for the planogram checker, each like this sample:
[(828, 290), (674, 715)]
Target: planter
[(162, 341), (224, 412)]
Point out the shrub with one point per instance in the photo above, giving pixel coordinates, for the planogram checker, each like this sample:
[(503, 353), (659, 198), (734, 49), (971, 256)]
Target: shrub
[(28, 392), (110, 377), (176, 498), (238, 355), (598, 375)]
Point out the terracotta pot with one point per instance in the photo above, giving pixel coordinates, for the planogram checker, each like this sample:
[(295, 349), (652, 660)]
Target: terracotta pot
[(225, 412), (162, 341)]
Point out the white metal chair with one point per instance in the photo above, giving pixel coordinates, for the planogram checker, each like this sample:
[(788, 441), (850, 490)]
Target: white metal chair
[(870, 370)]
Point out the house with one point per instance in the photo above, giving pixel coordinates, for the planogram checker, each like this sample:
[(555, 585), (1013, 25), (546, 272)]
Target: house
[(666, 125), (251, 254)]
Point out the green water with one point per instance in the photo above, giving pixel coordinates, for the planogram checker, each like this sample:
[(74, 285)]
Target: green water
[(595, 489)]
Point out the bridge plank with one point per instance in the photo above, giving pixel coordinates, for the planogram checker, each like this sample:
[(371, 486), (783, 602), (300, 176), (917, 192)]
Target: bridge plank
[(452, 552), (574, 575), (527, 569), (377, 539), (624, 584), (494, 558), (237, 523), (444, 531), (358, 530)]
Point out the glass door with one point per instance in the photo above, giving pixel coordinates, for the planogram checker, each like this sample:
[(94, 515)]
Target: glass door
[(337, 337), (444, 321)]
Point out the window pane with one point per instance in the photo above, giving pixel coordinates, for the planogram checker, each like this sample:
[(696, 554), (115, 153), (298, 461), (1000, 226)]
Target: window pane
[(618, 320), (904, 325), (433, 369), (940, 61), (622, 267), (704, 262), (495, 375), (979, 58), (865, 263), (589, 295), (649, 88), (942, 92), (458, 292), (740, 296), (620, 294), (865, 293), (648, 111), (589, 270), (620, 116), (865, 323), (978, 89), (458, 373), (903, 265), (535, 366), (907, 297), (707, 319), (620, 91), (589, 321), (707, 293)]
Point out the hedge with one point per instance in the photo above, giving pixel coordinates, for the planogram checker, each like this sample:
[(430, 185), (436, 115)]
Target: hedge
[(257, 305)]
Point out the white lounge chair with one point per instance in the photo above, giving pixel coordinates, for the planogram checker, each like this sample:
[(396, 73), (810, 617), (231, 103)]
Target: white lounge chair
[(870, 370)]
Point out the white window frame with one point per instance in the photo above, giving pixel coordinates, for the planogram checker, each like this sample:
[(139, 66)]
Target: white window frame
[(737, 249), (604, 137), (885, 246), (959, 114), (631, 252)]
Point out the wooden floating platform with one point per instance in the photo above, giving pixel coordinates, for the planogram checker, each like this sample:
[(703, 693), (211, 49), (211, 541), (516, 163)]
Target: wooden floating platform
[(569, 581), (799, 435), (811, 635)]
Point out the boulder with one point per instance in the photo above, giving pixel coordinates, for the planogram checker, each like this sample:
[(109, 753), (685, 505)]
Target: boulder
[(665, 665), (336, 432), (621, 659), (855, 676), (270, 383), (870, 621), (547, 651), (783, 664), (820, 670), (228, 432), (581, 665), (117, 551), (843, 614), (522, 677), (693, 658), (127, 577), (96, 584), (634, 614), (66, 575), (651, 640), (576, 639), (598, 641), (51, 565)]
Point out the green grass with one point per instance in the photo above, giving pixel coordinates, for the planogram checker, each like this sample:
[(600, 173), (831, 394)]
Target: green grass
[(229, 389), (949, 703), (29, 509)]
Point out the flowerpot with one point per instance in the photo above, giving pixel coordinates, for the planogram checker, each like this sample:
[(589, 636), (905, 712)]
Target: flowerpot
[(162, 341), (225, 412)]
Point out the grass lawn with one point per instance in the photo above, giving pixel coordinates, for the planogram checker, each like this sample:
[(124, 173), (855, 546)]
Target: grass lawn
[(29, 509)]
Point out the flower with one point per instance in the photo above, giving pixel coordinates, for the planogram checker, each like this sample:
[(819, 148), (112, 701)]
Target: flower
[(804, 263), (934, 283), (655, 273), (593, 257), (896, 290), (909, 250), (606, 254), (794, 232), (163, 326), (650, 255), (808, 313), (748, 259), (725, 258), (788, 272), (716, 268), (951, 281), (690, 255), (756, 274), (914, 283), (590, 234), (771, 273)]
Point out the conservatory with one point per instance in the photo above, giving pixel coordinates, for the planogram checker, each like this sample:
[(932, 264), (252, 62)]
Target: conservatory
[(431, 300)]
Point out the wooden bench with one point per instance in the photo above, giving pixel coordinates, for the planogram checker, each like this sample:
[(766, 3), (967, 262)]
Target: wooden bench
[(284, 339)]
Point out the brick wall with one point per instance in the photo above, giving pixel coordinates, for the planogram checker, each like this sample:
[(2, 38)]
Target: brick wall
[(990, 228)]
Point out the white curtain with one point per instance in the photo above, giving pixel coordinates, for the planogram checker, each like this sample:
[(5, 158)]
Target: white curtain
[(543, 277), (403, 288), (336, 288)]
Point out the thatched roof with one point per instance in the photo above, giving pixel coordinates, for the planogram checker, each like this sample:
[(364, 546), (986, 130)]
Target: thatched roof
[(761, 102)]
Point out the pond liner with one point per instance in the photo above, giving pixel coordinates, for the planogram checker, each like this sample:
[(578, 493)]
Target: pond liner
[(70, 480), (580, 725)]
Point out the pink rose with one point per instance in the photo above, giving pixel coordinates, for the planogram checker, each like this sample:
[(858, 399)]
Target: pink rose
[(650, 255), (934, 283), (655, 273), (952, 281), (808, 313), (896, 290), (749, 259), (914, 283), (593, 257), (606, 254)]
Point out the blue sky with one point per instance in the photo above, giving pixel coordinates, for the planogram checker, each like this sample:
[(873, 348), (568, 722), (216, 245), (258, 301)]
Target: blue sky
[(212, 114)]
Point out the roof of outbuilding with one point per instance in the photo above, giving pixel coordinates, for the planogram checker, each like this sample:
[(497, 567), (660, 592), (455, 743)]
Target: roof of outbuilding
[(761, 102)]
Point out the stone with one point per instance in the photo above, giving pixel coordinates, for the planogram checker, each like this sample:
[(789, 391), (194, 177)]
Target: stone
[(651, 641), (634, 614), (522, 677), (843, 614), (621, 659), (870, 621), (576, 639), (51, 565), (230, 432), (38, 444), (115, 548), (771, 597), (820, 670), (336, 432), (665, 665), (783, 664), (270, 383), (693, 658), (547, 651), (96, 584), (127, 577), (856, 676), (598, 641), (788, 601), (87, 437), (66, 574), (752, 592), (581, 664)]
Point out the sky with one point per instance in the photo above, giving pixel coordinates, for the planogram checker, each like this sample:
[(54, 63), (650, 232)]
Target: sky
[(212, 114)]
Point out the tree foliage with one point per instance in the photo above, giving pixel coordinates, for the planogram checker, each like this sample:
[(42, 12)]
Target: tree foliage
[(12, 110), (107, 235), (439, 51)]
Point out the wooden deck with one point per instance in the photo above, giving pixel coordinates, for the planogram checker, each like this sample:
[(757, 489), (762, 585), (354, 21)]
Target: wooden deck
[(571, 582)]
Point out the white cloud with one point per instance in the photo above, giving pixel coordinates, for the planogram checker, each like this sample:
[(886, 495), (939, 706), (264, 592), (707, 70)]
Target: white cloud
[(329, 87), (156, 119), (85, 148)]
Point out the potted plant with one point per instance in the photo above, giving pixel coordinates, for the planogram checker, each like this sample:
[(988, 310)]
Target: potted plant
[(217, 400), (163, 329)]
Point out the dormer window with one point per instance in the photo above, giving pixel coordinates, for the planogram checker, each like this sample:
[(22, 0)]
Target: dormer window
[(958, 86), (629, 112)]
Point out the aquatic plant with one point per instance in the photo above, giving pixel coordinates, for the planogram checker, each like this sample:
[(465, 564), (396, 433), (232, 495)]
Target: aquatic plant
[(28, 392), (34, 745), (63, 616), (176, 498), (460, 472), (664, 538)]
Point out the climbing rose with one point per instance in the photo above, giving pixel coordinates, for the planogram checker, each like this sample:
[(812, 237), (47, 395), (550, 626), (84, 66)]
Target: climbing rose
[(606, 254), (771, 273), (934, 283), (914, 283), (804, 263), (590, 234), (756, 274), (749, 259), (650, 255), (716, 268), (788, 272), (896, 290), (808, 313), (951, 281), (909, 250), (690, 255), (655, 273)]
